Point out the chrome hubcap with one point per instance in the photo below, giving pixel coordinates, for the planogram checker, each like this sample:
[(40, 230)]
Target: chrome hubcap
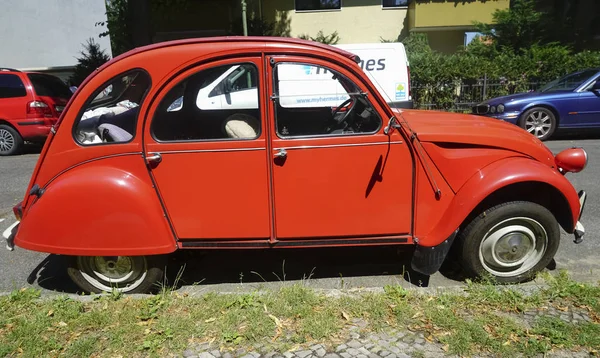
[(124, 273), (7, 141), (513, 247), (538, 123)]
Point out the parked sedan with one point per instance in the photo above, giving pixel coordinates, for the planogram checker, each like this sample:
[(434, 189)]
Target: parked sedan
[(572, 101), (149, 158)]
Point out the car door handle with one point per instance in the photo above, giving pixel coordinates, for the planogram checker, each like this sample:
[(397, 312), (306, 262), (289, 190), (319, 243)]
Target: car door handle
[(153, 159), (281, 153)]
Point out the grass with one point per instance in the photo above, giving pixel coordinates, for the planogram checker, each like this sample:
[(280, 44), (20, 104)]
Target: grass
[(483, 319)]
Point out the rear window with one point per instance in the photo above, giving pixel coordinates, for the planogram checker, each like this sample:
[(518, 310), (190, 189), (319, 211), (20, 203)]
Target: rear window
[(11, 86), (49, 86)]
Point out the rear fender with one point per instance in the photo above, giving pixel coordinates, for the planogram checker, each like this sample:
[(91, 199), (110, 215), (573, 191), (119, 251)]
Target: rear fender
[(492, 178), (98, 208)]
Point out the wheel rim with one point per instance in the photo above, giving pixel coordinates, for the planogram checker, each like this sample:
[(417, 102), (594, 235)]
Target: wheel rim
[(7, 141), (513, 247), (538, 123), (123, 273)]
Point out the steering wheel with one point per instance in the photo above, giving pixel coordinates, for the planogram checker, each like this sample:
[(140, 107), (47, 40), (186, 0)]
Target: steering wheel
[(339, 108)]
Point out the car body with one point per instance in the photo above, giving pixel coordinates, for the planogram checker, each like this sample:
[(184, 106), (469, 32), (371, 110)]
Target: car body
[(30, 104), (570, 102), (135, 170)]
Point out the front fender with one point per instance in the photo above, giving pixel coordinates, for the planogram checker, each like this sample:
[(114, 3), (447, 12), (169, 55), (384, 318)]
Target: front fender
[(98, 208), (491, 178)]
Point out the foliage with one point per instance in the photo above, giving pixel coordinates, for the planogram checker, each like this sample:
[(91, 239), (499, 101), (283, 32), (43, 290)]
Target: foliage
[(440, 79), (91, 58), (330, 39), (118, 23)]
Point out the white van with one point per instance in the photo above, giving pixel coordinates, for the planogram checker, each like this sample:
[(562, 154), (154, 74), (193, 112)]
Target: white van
[(386, 65)]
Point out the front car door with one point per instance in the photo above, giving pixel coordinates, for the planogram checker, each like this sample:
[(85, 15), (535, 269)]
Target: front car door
[(209, 162), (589, 103), (336, 175)]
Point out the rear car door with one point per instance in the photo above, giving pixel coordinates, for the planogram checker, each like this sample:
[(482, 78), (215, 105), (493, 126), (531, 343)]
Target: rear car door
[(13, 97), (588, 111), (209, 161)]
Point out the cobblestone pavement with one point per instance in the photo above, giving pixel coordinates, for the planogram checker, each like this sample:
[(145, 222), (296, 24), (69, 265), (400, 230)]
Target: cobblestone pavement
[(393, 344)]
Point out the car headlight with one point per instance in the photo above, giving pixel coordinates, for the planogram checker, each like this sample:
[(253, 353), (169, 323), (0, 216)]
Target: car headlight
[(500, 108), (492, 109)]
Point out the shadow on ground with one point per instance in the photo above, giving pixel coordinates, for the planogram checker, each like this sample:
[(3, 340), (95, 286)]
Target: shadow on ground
[(257, 266)]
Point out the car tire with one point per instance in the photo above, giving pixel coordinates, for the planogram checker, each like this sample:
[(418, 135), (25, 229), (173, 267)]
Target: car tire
[(509, 243), (125, 274), (11, 142), (540, 122)]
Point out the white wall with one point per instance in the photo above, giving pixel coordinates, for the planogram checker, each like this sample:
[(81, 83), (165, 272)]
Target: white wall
[(48, 33)]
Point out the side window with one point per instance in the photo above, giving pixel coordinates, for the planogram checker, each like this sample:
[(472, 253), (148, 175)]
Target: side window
[(11, 86), (311, 101), (111, 114), (213, 104)]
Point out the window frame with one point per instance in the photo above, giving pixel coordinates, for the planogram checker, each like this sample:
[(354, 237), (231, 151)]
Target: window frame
[(197, 70), (317, 10), (93, 96), (383, 7), (22, 83), (276, 97)]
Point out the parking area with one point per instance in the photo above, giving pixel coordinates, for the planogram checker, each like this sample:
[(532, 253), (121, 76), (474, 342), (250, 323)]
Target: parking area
[(323, 268)]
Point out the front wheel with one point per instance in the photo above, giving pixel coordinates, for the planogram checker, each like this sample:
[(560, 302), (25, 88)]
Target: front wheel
[(126, 274), (540, 122), (11, 142), (510, 242)]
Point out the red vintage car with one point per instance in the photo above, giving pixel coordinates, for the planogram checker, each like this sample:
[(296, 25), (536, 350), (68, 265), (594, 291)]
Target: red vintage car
[(223, 143)]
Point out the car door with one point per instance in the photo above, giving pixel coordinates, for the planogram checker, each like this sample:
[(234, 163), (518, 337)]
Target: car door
[(334, 177), (209, 164), (588, 111), (13, 97)]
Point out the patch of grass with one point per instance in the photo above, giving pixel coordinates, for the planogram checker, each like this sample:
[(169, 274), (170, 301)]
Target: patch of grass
[(486, 318)]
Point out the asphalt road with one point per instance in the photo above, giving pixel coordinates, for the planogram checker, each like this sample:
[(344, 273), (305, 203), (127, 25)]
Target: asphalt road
[(320, 268)]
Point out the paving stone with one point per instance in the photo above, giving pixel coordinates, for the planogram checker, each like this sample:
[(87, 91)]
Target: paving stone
[(385, 353), (383, 343), (402, 345), (320, 352), (403, 355), (331, 355), (205, 355), (353, 351), (189, 353), (248, 356), (369, 346), (373, 355), (303, 354), (255, 354), (203, 347), (394, 349), (288, 354), (362, 356), (270, 354), (419, 341), (346, 355), (392, 355), (216, 353), (316, 346), (227, 355), (341, 347), (364, 351), (565, 318), (354, 335), (354, 344)]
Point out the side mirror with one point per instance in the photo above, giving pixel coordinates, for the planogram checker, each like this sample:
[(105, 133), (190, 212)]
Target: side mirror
[(392, 123)]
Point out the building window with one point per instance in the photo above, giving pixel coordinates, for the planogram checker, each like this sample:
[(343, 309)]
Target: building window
[(390, 4), (314, 5)]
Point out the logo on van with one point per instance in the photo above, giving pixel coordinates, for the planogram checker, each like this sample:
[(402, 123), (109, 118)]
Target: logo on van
[(400, 90), (373, 64)]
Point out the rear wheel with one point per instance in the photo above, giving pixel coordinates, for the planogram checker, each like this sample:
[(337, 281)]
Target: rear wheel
[(126, 274), (11, 142), (510, 242)]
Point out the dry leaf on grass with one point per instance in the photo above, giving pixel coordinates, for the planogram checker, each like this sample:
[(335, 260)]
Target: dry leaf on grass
[(212, 319), (346, 316)]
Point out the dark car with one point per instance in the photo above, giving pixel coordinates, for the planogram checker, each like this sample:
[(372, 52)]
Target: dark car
[(572, 101), (30, 104)]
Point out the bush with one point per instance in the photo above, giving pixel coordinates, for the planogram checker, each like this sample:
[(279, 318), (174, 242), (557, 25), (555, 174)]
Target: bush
[(91, 58), (436, 78)]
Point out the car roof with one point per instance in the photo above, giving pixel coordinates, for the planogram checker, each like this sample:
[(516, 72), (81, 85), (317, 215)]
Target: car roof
[(229, 39)]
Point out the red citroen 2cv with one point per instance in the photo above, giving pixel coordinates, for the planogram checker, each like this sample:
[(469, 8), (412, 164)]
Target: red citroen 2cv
[(258, 142)]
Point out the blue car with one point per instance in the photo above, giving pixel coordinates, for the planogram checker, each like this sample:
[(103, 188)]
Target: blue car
[(572, 101)]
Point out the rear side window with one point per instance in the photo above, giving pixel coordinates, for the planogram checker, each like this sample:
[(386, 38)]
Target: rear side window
[(110, 114), (11, 86), (49, 86)]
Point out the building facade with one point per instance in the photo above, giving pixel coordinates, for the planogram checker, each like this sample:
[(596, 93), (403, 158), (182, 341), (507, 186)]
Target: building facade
[(48, 35)]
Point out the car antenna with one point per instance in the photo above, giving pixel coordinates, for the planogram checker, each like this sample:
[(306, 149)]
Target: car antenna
[(413, 137)]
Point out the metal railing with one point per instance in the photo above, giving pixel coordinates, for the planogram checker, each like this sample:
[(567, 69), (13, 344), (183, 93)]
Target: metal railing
[(460, 96)]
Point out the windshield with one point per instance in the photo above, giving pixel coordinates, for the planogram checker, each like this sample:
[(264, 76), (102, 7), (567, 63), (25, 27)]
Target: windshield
[(49, 86), (569, 82)]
